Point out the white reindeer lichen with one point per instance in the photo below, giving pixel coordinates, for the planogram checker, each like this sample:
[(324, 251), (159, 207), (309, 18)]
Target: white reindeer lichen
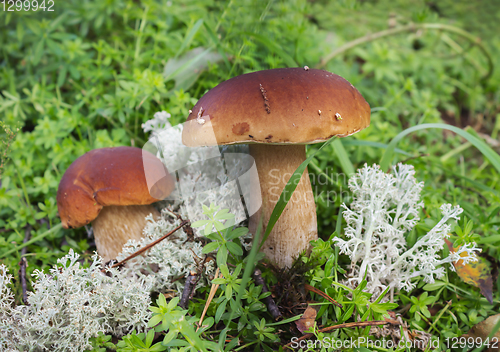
[(70, 305), (384, 209), (171, 259), (204, 176)]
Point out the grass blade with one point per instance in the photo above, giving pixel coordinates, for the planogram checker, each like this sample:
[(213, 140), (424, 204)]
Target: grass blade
[(217, 43), (358, 143), (486, 150), (189, 37), (474, 183), (34, 239), (345, 163), (289, 61)]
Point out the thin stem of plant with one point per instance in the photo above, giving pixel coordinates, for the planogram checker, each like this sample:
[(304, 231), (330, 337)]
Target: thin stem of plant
[(433, 324), (145, 248), (322, 294), (429, 322), (34, 239), (412, 28)]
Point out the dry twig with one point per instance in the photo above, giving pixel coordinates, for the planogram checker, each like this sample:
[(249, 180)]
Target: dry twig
[(188, 290), (269, 301), (145, 248), (210, 298), (23, 264)]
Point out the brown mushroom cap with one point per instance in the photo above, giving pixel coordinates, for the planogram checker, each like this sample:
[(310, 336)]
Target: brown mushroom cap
[(109, 176), (280, 106)]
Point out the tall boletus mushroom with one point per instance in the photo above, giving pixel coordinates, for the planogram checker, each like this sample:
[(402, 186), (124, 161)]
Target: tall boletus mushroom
[(108, 187), (277, 112)]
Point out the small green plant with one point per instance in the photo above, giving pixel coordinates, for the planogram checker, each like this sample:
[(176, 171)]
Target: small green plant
[(102, 343), (140, 343), (224, 235), (420, 305), (7, 136)]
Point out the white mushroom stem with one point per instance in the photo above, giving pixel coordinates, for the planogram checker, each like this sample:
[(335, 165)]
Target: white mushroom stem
[(297, 225), (115, 225)]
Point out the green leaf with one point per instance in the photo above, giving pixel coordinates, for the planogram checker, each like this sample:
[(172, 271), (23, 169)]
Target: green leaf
[(220, 310), (232, 344), (238, 232), (62, 75), (224, 216), (210, 247), (229, 292), (234, 248), (214, 236), (225, 271), (161, 301), (434, 286), (222, 212), (383, 308), (345, 162), (158, 347), (172, 304), (149, 337), (137, 340), (200, 223), (169, 337), (155, 320), (37, 55), (347, 314), (219, 226), (221, 256), (237, 270), (489, 239)]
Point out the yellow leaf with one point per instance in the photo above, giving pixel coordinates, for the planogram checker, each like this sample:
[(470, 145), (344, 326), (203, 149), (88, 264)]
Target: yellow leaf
[(477, 274)]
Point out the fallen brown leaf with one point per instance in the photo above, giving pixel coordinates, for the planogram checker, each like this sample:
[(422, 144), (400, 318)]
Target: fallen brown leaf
[(477, 274), (307, 320), (483, 329)]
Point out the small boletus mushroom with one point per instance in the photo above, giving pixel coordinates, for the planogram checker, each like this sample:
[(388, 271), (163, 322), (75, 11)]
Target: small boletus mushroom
[(277, 112), (108, 187)]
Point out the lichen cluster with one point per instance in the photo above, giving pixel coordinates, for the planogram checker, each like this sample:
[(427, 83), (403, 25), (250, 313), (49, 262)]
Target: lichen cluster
[(206, 175), (71, 304), (167, 261), (384, 210)]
